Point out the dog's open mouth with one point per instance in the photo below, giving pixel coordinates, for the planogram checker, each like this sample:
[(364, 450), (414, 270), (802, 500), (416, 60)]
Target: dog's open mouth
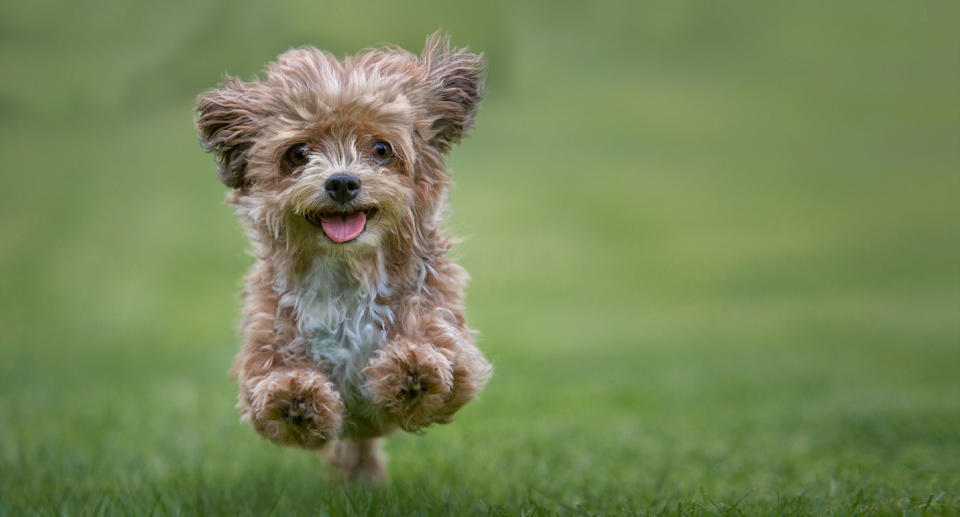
[(340, 226)]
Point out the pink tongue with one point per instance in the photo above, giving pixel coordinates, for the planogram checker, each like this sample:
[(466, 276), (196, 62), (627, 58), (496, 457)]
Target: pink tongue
[(343, 227)]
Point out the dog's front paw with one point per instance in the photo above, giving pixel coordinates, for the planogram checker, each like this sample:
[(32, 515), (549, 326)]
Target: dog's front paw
[(412, 381), (296, 407)]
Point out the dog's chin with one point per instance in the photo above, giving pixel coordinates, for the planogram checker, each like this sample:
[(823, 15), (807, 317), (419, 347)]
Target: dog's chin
[(342, 228)]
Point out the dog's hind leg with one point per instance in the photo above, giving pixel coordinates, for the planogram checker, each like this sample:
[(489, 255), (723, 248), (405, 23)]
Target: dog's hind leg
[(361, 460)]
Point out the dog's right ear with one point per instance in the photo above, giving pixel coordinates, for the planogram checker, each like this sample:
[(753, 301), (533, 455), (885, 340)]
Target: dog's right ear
[(456, 78), (227, 126)]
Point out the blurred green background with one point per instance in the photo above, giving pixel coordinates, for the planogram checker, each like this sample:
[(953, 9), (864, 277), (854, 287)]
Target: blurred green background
[(714, 249)]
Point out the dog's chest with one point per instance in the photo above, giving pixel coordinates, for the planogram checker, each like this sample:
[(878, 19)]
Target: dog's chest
[(342, 333), (342, 325)]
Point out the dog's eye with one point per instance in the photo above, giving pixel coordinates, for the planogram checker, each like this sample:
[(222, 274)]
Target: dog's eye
[(298, 155), (382, 152)]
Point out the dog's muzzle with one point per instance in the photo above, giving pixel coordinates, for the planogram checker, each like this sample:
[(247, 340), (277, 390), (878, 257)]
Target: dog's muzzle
[(340, 226)]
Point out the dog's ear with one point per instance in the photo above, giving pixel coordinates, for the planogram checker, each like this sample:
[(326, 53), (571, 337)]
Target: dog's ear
[(226, 125), (455, 78)]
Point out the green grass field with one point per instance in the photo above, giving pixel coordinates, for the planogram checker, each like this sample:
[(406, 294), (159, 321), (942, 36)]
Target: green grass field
[(715, 252)]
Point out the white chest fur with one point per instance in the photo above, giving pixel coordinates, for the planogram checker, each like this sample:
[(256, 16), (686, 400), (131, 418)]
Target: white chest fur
[(341, 323)]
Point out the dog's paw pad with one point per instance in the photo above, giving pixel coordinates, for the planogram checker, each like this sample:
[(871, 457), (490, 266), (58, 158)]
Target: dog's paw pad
[(298, 407), (413, 386), (297, 413), (412, 381)]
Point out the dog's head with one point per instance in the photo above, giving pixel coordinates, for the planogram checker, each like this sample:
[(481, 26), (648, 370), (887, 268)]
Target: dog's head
[(337, 156)]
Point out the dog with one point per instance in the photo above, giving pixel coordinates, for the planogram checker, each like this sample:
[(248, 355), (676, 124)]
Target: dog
[(353, 321)]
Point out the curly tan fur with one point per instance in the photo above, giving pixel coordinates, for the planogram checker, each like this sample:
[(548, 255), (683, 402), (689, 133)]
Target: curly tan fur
[(345, 341)]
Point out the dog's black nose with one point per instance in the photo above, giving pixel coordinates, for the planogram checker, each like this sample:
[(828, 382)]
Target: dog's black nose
[(342, 187)]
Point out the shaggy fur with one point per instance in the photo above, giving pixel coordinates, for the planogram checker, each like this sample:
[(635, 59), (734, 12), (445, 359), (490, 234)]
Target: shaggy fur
[(345, 341)]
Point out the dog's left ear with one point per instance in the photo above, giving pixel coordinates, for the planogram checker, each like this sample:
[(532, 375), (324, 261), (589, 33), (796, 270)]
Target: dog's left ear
[(227, 126), (456, 78)]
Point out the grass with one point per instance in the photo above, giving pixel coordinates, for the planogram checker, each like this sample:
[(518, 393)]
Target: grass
[(714, 252)]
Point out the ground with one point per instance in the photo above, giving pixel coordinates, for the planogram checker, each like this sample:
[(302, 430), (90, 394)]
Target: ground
[(714, 256)]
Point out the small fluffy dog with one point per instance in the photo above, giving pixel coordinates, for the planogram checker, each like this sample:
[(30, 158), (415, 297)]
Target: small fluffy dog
[(353, 321)]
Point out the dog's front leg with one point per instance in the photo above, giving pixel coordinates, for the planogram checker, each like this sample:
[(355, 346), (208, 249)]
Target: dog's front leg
[(282, 393), (425, 376)]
